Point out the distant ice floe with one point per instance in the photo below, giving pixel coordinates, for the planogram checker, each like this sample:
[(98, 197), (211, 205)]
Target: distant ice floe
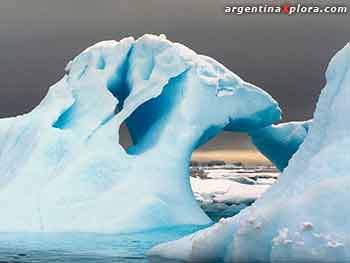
[(224, 190)]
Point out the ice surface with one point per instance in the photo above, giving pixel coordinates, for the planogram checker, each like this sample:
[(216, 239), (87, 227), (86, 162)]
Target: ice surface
[(279, 142), (62, 167), (304, 215), (224, 191)]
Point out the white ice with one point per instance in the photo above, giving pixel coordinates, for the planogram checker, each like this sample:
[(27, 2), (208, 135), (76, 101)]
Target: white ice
[(62, 167), (304, 215), (219, 192)]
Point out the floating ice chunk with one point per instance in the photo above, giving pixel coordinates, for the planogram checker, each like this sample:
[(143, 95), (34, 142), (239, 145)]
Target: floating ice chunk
[(212, 192), (62, 167)]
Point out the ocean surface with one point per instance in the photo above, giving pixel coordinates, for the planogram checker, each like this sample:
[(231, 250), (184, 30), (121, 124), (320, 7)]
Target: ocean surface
[(83, 247), (103, 248)]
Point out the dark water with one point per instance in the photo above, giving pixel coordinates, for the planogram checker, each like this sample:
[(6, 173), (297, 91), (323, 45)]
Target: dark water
[(83, 247)]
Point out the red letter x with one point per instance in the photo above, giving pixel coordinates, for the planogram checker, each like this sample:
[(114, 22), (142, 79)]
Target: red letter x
[(285, 9)]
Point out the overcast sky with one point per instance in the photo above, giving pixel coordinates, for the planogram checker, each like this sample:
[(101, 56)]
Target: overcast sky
[(286, 56)]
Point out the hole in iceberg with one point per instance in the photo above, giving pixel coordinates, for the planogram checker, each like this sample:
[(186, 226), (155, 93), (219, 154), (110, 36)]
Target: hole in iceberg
[(146, 124), (222, 184)]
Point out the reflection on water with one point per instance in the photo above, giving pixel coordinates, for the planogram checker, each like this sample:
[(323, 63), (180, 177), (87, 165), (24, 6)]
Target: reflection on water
[(85, 247)]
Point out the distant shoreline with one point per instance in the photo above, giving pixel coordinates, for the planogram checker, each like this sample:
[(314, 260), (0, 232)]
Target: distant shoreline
[(247, 157)]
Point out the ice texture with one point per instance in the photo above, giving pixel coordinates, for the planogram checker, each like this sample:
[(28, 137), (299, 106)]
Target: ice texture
[(279, 142), (303, 216), (221, 192), (62, 167)]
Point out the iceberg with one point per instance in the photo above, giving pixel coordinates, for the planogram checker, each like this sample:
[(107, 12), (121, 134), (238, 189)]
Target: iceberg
[(62, 168), (279, 142), (300, 218)]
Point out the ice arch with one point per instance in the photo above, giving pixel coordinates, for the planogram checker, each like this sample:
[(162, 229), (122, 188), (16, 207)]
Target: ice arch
[(62, 168), (304, 216), (279, 142)]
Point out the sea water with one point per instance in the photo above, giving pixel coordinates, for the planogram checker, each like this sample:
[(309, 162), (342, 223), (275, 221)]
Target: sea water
[(85, 247)]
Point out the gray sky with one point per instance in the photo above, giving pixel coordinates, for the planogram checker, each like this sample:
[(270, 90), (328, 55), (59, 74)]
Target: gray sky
[(286, 56)]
